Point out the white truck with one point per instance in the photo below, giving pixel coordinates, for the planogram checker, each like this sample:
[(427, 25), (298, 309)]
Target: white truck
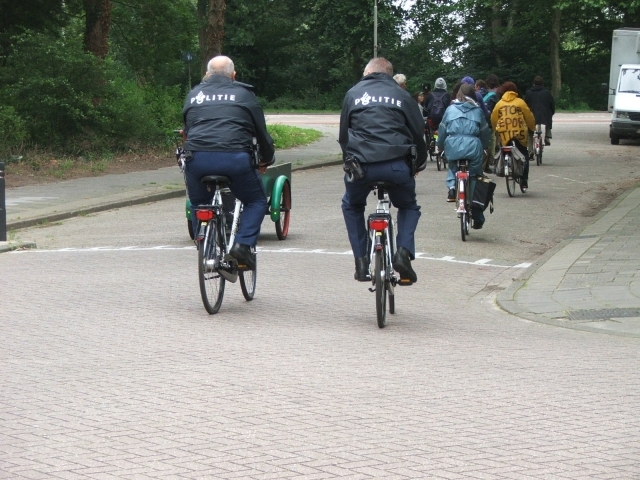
[(624, 85)]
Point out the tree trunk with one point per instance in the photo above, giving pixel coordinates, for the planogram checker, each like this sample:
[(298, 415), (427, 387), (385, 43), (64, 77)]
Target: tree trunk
[(496, 27), (513, 13), (211, 34), (98, 22), (556, 76)]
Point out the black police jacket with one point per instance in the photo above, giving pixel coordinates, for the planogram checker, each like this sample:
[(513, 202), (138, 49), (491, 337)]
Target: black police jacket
[(222, 115), (380, 121)]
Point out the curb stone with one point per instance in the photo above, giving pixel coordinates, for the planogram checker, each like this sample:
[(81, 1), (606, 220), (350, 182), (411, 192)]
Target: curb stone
[(11, 246)]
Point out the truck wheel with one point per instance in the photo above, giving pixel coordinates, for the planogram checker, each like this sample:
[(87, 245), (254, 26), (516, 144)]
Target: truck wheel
[(615, 139)]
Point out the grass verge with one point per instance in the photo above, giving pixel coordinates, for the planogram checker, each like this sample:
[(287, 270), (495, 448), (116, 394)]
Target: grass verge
[(285, 136), (39, 165)]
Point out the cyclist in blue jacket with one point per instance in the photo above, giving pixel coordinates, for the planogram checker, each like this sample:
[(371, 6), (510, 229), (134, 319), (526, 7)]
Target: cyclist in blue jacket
[(464, 133)]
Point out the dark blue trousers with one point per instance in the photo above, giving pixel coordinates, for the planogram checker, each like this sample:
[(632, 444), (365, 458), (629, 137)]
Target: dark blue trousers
[(402, 196), (246, 186)]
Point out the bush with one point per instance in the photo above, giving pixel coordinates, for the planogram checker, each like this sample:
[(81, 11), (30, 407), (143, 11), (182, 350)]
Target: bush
[(62, 98), (13, 131), (311, 100)]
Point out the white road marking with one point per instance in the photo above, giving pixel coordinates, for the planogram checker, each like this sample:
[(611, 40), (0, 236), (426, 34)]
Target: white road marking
[(576, 181), (483, 262)]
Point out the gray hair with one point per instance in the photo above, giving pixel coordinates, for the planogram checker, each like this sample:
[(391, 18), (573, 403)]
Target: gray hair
[(220, 65), (400, 79), (378, 65), (466, 93)]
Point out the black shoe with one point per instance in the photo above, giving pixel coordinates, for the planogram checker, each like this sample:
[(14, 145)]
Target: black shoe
[(547, 142), (402, 265), (245, 257), (524, 184), (451, 196), (477, 225), (362, 270)]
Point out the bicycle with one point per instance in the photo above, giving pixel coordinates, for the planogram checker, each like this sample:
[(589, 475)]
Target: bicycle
[(463, 202), (215, 265), (512, 169), (538, 144), (434, 151), (381, 248)]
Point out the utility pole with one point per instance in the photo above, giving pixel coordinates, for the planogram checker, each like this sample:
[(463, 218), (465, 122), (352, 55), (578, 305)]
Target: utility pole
[(3, 207), (375, 29)]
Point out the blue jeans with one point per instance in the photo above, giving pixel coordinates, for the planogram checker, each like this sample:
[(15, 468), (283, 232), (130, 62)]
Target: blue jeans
[(246, 186), (402, 196)]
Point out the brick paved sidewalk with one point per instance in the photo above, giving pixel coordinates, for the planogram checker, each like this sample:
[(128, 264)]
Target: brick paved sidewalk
[(591, 281)]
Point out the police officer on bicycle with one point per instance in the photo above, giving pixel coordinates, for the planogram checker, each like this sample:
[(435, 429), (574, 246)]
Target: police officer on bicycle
[(379, 128), (222, 117)]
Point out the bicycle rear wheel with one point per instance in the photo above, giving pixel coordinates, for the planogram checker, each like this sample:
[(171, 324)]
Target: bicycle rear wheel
[(388, 285), (381, 290), (439, 161), (463, 226), (211, 282), (282, 225), (539, 156), (511, 185), (248, 282)]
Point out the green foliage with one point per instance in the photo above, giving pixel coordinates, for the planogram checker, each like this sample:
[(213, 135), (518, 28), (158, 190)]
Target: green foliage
[(35, 15), (312, 100), (150, 38), (299, 54), (13, 131), (75, 102)]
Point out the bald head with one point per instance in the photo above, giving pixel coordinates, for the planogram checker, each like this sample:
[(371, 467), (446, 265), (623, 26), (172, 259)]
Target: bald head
[(221, 65), (378, 65)]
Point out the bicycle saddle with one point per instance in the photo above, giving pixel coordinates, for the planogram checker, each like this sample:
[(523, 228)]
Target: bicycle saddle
[(219, 180), (381, 183)]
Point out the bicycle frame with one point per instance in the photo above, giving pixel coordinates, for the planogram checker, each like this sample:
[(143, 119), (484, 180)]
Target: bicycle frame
[(204, 233), (378, 225), (462, 177), (381, 251), (506, 153)]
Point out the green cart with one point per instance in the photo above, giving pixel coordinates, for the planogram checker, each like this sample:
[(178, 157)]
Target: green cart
[(277, 185)]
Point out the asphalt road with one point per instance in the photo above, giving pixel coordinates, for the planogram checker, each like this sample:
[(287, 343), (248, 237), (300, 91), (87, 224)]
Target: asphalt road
[(111, 368)]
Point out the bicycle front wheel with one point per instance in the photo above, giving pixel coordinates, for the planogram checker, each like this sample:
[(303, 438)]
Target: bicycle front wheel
[(381, 290), (539, 157), (211, 282), (248, 283)]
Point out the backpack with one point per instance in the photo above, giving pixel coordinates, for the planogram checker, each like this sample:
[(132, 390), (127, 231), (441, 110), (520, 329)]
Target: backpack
[(487, 96), (437, 107)]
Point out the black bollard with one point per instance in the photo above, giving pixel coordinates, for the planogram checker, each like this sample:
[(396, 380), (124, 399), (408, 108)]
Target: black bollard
[(3, 208)]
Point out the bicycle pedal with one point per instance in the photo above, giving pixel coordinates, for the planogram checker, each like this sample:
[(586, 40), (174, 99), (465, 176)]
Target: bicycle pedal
[(405, 282)]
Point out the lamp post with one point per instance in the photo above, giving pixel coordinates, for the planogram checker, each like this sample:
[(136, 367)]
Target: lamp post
[(188, 57), (375, 29)]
